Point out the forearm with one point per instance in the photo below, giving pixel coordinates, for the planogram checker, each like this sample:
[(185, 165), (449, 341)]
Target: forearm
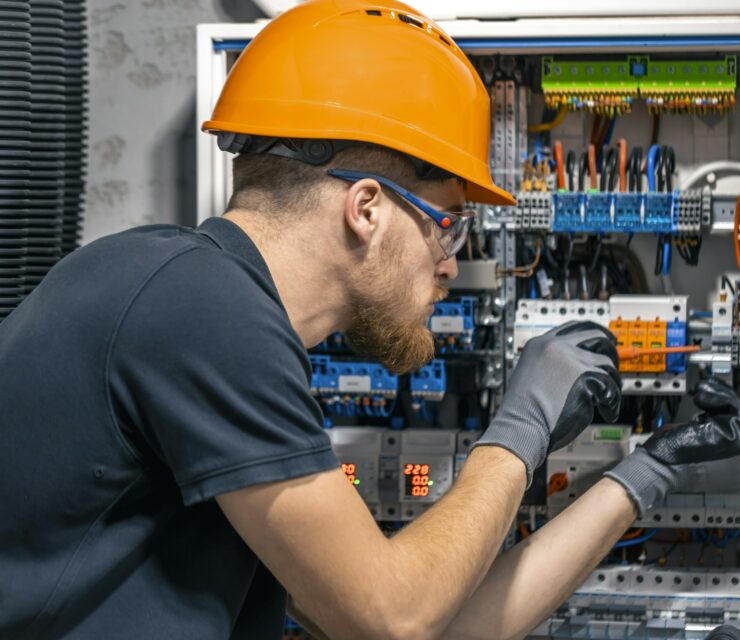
[(352, 581), (526, 584), (444, 555)]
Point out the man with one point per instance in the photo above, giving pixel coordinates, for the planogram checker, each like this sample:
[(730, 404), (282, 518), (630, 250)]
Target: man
[(164, 472)]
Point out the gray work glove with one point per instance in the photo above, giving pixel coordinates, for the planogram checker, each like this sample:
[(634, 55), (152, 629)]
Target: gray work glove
[(561, 376), (716, 397), (682, 458)]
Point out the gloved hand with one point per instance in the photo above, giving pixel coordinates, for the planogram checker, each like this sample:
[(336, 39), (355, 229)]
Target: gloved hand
[(716, 397), (678, 459), (560, 377)]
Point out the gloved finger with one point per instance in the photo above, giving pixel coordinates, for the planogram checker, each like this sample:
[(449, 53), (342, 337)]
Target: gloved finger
[(601, 345), (715, 396), (605, 364), (714, 439), (605, 394), (586, 325)]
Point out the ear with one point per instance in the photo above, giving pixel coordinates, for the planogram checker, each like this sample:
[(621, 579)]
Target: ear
[(362, 209)]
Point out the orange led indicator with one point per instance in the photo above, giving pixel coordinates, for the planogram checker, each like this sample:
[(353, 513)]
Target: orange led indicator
[(349, 471), (417, 481)]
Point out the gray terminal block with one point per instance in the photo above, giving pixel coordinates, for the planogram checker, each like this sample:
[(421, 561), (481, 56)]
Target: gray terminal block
[(359, 450), (424, 472)]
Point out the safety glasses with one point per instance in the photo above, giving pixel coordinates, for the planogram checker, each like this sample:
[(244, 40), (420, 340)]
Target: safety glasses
[(452, 228)]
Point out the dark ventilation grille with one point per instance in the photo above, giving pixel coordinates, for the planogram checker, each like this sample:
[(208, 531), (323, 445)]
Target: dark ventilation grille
[(410, 20), (373, 12), (42, 139)]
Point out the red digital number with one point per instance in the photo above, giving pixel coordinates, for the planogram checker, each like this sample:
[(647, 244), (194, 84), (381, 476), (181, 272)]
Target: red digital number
[(408, 469), (420, 491)]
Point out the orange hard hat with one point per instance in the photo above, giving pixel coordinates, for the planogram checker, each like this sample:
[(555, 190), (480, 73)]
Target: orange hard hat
[(364, 71)]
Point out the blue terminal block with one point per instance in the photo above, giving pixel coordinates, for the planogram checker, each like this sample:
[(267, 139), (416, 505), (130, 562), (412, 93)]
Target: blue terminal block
[(453, 324), (332, 377), (629, 211), (675, 337), (429, 382), (569, 211), (615, 212), (599, 212)]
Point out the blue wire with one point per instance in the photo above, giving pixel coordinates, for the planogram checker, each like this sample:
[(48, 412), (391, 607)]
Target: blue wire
[(537, 149), (652, 154), (634, 541), (666, 256), (659, 424)]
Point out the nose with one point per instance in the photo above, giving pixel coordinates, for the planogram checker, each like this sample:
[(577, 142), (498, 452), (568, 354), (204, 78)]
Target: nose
[(447, 268)]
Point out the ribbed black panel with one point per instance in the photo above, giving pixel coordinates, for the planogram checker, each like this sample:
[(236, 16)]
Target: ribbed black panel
[(43, 102)]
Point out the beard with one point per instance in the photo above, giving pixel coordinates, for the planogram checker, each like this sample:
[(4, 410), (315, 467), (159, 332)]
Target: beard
[(380, 300)]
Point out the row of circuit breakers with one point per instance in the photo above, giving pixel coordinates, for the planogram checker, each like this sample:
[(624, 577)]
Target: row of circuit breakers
[(638, 321), (401, 473)]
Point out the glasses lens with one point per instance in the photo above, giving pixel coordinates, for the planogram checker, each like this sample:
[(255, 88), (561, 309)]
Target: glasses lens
[(454, 238)]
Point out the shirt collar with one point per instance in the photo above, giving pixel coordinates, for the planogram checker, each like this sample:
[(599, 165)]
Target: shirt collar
[(230, 237)]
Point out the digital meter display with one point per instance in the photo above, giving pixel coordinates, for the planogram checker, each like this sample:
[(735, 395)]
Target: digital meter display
[(417, 480), (350, 470)]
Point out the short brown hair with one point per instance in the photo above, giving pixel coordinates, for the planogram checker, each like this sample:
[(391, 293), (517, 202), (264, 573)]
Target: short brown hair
[(266, 183)]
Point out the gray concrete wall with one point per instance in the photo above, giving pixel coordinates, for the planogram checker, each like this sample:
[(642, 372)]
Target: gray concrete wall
[(142, 109)]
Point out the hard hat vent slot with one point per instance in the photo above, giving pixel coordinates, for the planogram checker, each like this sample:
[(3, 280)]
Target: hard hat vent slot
[(445, 40), (372, 12), (410, 20)]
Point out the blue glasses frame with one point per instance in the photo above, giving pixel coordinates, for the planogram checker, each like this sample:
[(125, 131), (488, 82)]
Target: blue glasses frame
[(455, 226)]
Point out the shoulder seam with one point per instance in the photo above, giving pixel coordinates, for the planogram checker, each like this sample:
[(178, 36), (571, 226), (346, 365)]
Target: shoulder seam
[(111, 343)]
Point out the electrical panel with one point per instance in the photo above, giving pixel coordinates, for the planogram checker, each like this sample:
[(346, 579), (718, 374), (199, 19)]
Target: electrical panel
[(620, 139)]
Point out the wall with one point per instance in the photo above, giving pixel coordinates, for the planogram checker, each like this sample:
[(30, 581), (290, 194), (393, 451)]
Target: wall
[(142, 109)]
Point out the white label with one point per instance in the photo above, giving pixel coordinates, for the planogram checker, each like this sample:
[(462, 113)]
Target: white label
[(354, 384), (448, 324)]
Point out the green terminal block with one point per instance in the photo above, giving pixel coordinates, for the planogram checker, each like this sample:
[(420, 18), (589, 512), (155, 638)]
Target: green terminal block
[(592, 85), (690, 85), (611, 86)]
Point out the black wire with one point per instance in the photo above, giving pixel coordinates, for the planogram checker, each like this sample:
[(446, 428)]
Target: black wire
[(726, 283), (669, 166), (592, 264), (582, 168)]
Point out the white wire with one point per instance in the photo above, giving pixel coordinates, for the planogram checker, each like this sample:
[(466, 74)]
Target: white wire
[(722, 166)]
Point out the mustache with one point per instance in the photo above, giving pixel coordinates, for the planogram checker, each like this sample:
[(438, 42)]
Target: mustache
[(441, 291)]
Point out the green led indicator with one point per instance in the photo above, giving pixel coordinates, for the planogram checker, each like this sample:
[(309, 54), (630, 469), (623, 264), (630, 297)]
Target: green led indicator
[(430, 483), (357, 482)]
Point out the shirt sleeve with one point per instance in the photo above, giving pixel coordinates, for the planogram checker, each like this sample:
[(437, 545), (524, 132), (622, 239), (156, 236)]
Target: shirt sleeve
[(207, 370)]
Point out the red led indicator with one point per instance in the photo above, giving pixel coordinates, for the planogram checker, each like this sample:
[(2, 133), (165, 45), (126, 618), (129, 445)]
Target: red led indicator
[(446, 222)]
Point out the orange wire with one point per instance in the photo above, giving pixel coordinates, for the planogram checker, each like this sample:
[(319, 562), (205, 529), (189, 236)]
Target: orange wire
[(633, 534), (736, 230), (626, 352), (622, 164), (523, 530), (592, 165), (558, 154)]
